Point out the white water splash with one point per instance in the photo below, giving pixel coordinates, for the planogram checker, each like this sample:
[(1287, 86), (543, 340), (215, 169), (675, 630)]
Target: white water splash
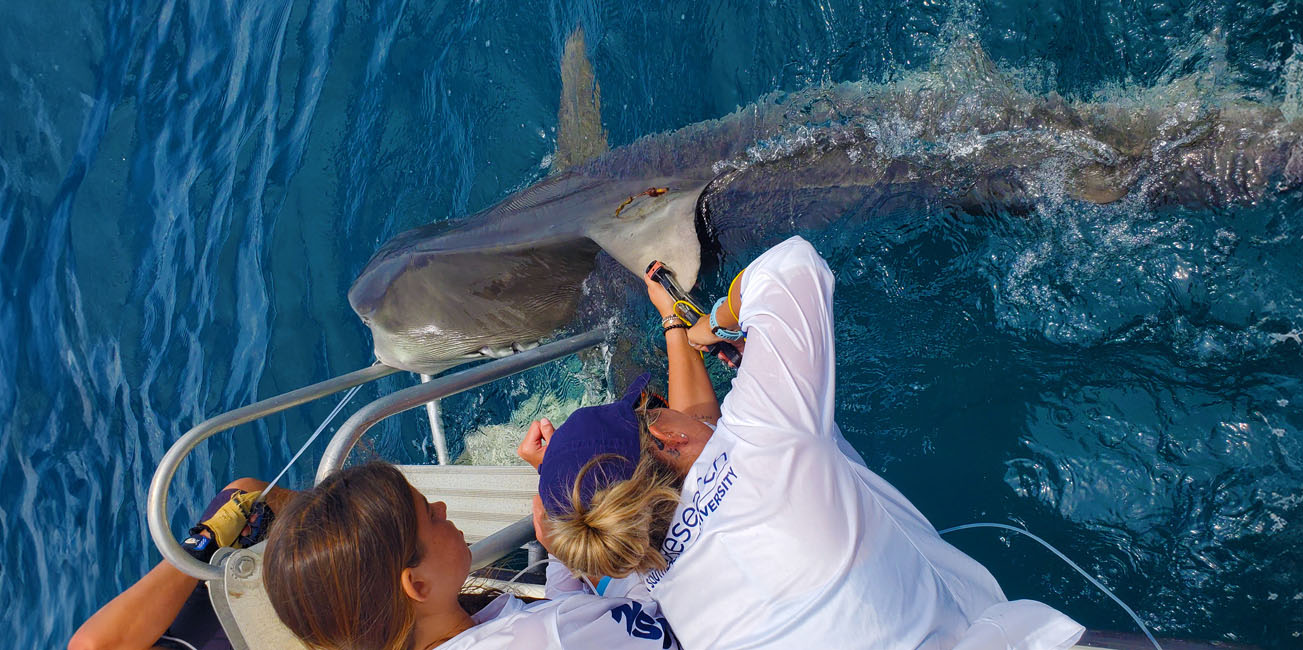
[(495, 444), (1291, 105)]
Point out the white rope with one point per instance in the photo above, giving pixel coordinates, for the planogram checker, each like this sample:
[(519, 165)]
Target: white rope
[(177, 641), (545, 561), (326, 423), (526, 570), (1070, 563)]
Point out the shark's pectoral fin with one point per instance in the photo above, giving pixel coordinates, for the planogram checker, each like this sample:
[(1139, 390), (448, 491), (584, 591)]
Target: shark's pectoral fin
[(580, 136)]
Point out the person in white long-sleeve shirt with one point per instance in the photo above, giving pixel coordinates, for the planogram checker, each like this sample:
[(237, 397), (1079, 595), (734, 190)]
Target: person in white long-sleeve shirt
[(363, 562), (782, 537)]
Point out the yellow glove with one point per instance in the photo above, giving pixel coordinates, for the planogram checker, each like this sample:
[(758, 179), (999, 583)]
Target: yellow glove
[(229, 521)]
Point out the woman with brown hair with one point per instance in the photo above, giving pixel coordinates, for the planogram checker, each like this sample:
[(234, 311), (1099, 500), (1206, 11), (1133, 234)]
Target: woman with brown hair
[(363, 562), (781, 536)]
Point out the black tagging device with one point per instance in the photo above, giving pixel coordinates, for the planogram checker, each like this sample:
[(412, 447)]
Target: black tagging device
[(658, 272)]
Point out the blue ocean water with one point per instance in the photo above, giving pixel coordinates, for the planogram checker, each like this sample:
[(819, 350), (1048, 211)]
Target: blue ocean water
[(187, 189)]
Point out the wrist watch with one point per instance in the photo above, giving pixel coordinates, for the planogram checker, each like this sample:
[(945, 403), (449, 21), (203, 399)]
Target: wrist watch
[(724, 332)]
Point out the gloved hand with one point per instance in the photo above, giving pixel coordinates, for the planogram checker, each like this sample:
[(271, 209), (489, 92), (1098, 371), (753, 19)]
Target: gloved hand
[(227, 524)]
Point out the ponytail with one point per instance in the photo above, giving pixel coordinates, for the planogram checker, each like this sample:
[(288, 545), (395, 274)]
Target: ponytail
[(621, 529)]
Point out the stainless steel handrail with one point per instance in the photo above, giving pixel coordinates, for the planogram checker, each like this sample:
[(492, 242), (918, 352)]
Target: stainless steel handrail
[(499, 544), (156, 505), (434, 415), (409, 398)]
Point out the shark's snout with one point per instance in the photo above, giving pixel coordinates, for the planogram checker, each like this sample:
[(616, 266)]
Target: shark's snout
[(435, 305)]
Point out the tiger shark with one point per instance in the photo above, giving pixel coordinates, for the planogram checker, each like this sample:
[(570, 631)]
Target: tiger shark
[(958, 136)]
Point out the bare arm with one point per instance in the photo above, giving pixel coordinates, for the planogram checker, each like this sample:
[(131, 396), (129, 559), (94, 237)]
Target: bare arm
[(690, 390), (137, 617), (701, 335)]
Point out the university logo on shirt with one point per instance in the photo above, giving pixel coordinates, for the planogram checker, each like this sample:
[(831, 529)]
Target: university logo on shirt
[(712, 487), (641, 625)]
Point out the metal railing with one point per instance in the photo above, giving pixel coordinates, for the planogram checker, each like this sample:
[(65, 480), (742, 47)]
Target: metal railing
[(435, 416), (512, 537), (156, 504), (440, 387), (499, 544), (496, 545)]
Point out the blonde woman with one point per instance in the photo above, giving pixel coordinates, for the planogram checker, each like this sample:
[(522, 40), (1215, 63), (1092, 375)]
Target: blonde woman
[(781, 536), (363, 562)]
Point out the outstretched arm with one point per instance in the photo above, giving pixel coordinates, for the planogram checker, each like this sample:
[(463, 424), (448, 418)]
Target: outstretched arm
[(690, 390), (137, 617)]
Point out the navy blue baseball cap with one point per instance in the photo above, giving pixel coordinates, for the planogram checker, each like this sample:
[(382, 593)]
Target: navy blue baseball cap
[(588, 432)]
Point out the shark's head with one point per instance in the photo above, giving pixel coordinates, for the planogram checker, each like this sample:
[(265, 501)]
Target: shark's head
[(432, 309), (436, 297)]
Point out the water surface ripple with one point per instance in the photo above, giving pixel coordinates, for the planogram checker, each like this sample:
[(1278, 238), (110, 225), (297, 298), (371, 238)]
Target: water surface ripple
[(187, 189)]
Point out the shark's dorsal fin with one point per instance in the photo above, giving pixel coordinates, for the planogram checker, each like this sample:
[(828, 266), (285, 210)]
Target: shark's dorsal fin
[(964, 62), (580, 136)]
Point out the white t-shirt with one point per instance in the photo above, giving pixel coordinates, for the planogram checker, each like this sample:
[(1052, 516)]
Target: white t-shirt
[(574, 619), (785, 539)]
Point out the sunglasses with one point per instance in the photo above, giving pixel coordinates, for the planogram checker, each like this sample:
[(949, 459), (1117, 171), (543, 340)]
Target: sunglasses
[(652, 401)]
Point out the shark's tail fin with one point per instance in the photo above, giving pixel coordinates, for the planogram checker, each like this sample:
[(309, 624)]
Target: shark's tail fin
[(580, 136)]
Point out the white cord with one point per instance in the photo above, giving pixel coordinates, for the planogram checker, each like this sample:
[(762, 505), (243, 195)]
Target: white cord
[(1070, 563), (525, 570), (326, 423), (178, 641), (544, 561)]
